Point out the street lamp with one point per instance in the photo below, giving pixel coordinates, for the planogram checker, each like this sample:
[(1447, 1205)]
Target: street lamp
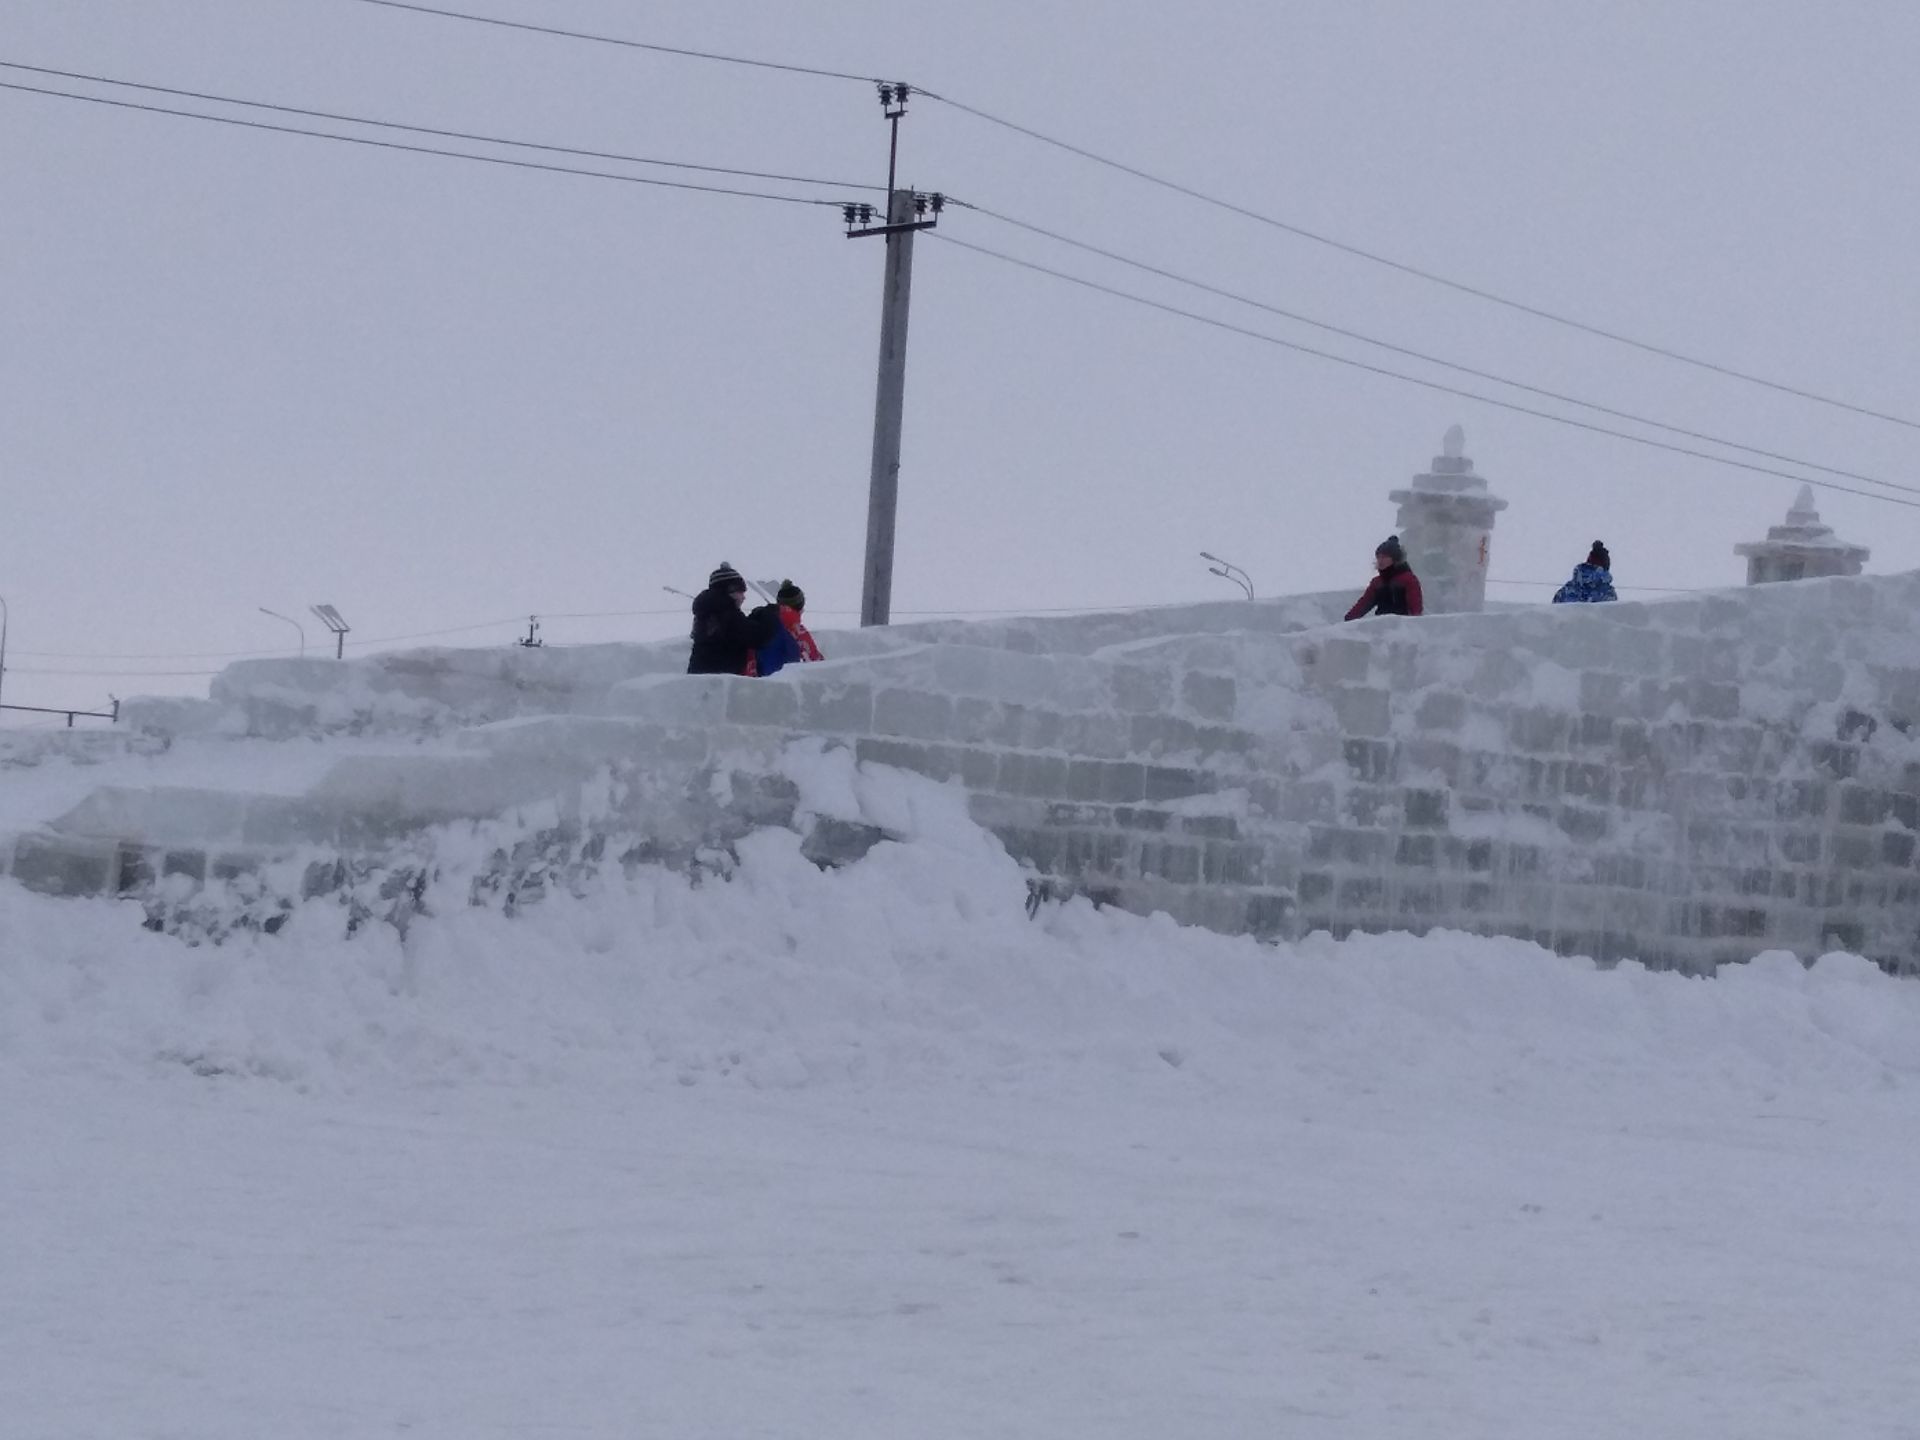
[(331, 618), (1228, 571), (298, 629)]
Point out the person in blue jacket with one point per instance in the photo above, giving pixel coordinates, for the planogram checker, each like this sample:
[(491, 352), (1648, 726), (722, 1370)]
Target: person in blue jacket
[(792, 642), (1591, 582)]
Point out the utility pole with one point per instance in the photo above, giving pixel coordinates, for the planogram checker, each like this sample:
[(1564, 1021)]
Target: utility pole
[(907, 211)]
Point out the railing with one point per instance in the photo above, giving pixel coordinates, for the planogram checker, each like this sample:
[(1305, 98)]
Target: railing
[(112, 715)]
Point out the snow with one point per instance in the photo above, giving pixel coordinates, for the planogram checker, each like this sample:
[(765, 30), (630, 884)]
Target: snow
[(867, 1152)]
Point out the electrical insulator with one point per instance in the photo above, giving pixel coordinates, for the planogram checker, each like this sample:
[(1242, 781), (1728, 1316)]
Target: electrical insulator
[(939, 202)]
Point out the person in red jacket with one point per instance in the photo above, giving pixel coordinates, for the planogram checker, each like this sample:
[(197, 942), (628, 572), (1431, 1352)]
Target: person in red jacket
[(793, 642), (1395, 590)]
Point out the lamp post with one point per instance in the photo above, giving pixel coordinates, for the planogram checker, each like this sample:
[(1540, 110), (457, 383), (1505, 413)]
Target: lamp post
[(336, 625), (298, 629), (1228, 571)]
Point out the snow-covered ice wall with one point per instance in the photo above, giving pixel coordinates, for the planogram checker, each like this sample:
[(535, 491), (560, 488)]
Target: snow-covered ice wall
[(1682, 782)]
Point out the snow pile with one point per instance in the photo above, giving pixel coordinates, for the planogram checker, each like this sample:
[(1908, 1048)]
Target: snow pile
[(865, 1152), (918, 961)]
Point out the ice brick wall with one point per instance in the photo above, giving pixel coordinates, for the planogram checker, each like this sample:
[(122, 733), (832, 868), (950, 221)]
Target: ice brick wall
[(1683, 782), (442, 689)]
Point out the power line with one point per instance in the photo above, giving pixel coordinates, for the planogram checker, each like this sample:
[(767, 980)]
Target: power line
[(432, 130), (107, 674), (34, 727), (1431, 276), (1631, 589), (422, 149), (1193, 193), (279, 654), (1412, 354), (436, 634), (616, 614), (963, 612), (680, 51), (992, 214), (1001, 611), (518, 619), (145, 655), (1436, 385)]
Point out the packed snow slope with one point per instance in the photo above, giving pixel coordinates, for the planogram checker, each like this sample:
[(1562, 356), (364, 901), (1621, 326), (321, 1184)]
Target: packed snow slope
[(867, 1152)]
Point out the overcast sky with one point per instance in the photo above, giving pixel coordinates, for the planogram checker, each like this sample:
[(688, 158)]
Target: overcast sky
[(246, 369)]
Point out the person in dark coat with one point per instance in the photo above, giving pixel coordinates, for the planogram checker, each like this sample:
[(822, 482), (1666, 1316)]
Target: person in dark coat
[(724, 635), (1592, 583), (1394, 589)]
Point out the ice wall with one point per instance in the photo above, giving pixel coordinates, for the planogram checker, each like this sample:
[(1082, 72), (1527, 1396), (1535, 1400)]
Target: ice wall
[(1674, 782), (439, 690), (1681, 782)]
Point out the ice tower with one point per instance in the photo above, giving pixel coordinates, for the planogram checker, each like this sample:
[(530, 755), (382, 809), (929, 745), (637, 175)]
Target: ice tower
[(1800, 549), (1446, 523)]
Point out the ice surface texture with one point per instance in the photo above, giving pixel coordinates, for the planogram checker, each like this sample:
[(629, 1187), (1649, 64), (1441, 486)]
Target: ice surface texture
[(1682, 782)]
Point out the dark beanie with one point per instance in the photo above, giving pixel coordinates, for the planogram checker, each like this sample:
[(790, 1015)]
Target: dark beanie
[(1598, 555), (791, 595), (726, 576), (1391, 548)]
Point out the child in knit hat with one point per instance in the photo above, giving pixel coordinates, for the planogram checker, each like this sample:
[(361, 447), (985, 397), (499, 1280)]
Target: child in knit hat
[(1592, 582), (793, 642)]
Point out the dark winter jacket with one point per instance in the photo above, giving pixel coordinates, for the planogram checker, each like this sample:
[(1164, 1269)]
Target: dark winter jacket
[(1590, 585), (724, 637), (1394, 591)]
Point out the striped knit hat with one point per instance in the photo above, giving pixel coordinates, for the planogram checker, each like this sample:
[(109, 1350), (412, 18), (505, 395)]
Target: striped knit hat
[(728, 577)]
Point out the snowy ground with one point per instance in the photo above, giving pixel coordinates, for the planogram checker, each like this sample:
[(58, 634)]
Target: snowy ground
[(870, 1154)]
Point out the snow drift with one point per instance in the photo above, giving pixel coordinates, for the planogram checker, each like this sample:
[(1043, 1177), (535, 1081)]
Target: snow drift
[(763, 1148), (919, 960)]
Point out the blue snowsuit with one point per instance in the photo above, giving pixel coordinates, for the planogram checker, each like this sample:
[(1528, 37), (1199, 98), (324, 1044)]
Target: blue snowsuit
[(1589, 586), (778, 653)]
